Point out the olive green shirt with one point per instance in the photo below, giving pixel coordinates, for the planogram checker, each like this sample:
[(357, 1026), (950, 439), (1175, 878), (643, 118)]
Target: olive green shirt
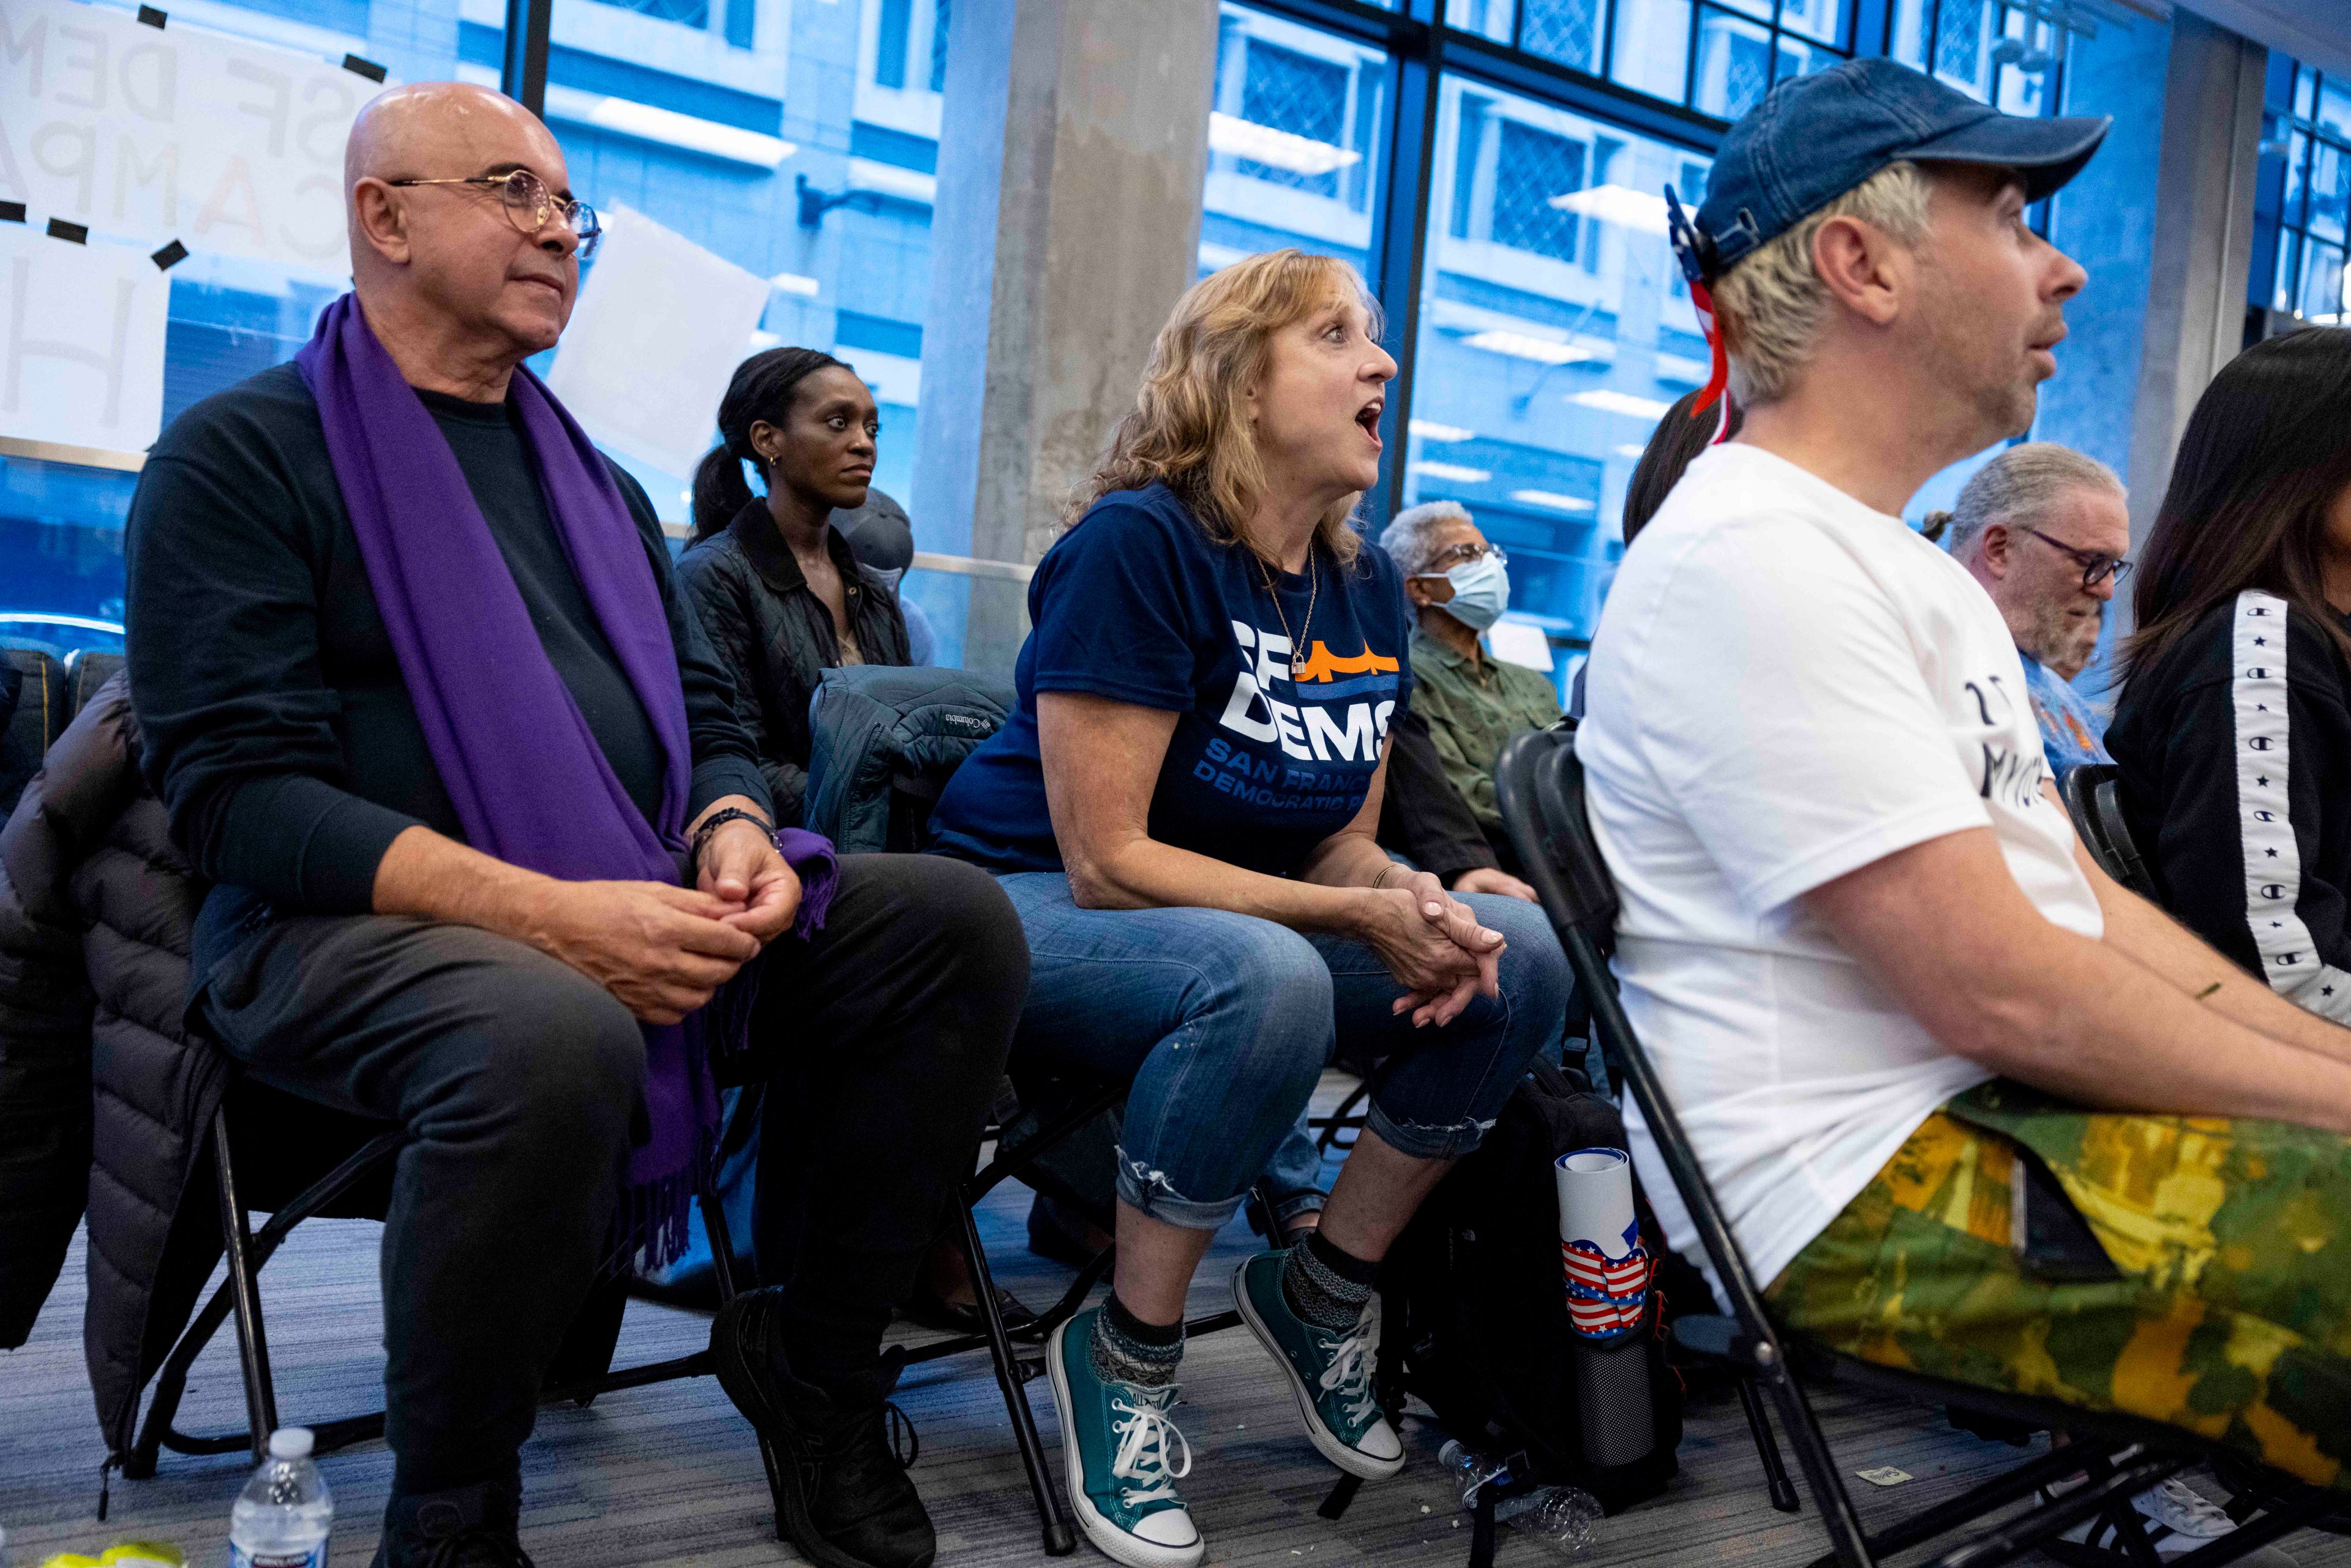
[(1473, 710)]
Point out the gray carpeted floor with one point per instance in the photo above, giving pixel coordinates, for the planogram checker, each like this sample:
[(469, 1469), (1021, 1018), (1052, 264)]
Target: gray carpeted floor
[(670, 1475)]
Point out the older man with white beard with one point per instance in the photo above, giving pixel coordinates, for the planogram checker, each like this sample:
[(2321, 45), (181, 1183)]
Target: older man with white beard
[(2045, 529)]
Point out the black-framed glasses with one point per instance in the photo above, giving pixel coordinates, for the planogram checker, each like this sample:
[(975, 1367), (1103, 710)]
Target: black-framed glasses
[(2097, 565), (1466, 553), (530, 205)]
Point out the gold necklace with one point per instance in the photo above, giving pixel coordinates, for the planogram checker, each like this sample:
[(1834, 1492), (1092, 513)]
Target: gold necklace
[(1313, 587)]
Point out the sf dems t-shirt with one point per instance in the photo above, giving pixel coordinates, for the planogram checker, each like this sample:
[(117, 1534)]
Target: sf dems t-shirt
[(1136, 604)]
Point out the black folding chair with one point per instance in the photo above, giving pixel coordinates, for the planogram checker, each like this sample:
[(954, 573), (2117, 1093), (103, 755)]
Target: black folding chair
[(239, 1296), (2093, 795), (1540, 786)]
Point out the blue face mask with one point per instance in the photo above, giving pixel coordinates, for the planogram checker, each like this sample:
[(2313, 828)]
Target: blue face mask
[(1481, 592)]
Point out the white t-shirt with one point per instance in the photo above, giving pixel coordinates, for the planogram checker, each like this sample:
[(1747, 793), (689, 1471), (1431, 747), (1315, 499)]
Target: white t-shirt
[(1786, 686)]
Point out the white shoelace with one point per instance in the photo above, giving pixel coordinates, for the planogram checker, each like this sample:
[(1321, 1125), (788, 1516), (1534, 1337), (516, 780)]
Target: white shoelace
[(1349, 1375), (2184, 1508), (1142, 1452)]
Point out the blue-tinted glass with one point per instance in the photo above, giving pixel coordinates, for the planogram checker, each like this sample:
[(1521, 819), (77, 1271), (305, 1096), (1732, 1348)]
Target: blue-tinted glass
[(1963, 44), (2334, 105), (1821, 20), (2306, 90), (1552, 336), (742, 23), (1487, 19), (890, 44), (1295, 95), (1652, 47), (1734, 64), (2321, 283), (2330, 190), (1910, 32), (61, 554), (1532, 169), (941, 16), (1293, 142), (1567, 31), (692, 13), (2288, 271), (2030, 53), (2297, 176)]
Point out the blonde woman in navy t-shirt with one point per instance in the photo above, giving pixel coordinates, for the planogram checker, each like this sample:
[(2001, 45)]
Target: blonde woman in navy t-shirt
[(1181, 810)]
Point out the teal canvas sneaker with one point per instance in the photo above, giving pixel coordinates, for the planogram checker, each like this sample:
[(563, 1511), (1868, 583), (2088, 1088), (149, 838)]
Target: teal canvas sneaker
[(1118, 1444), (1330, 1374)]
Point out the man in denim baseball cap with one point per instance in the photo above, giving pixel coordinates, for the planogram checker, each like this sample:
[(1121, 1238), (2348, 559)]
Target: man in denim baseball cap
[(1858, 935)]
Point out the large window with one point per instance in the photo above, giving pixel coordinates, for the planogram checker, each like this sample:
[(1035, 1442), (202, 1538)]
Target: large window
[(795, 139), (1539, 319), (2303, 193), (1295, 140), (1553, 331)]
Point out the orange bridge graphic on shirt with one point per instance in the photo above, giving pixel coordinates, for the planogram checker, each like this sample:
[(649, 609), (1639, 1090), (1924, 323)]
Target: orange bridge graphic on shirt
[(1322, 664)]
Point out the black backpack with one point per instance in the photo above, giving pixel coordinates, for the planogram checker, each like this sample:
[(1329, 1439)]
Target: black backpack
[(1474, 1308)]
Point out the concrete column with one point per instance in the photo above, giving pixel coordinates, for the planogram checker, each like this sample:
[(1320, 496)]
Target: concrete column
[(2162, 219), (1072, 150), (2203, 242)]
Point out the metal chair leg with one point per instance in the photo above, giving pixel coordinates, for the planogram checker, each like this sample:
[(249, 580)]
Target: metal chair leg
[(722, 1270), (252, 1342), (1060, 1539), (1767, 1449)]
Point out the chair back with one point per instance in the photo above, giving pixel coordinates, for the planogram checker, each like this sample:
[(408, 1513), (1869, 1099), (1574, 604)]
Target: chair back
[(2092, 797), (1539, 787)]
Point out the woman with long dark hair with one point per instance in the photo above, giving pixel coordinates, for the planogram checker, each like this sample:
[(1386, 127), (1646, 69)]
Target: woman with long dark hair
[(781, 592), (2234, 730)]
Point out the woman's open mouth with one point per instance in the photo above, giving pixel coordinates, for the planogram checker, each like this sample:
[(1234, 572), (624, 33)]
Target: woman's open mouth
[(1368, 420)]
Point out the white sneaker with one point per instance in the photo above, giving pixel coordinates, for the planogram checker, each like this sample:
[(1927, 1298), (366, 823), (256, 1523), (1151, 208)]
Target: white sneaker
[(2178, 1520)]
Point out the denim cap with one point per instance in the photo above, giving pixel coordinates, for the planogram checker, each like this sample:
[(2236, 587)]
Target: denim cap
[(1815, 138)]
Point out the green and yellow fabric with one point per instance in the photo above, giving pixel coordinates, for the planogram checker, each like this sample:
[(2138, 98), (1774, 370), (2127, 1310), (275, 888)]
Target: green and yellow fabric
[(2227, 1309)]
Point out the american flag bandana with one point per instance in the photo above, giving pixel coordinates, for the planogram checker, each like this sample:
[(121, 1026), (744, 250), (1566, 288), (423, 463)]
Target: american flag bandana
[(1605, 1297)]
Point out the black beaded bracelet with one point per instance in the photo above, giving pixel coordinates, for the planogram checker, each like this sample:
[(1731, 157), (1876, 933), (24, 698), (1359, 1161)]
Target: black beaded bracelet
[(732, 814)]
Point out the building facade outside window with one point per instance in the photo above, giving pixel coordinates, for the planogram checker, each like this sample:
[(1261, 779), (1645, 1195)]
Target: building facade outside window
[(2303, 196)]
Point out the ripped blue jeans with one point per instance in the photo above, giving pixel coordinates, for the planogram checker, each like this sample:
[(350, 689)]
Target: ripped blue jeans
[(1225, 1022)]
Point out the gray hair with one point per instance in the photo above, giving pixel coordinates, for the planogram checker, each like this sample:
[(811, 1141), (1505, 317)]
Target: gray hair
[(1409, 539), (2021, 486)]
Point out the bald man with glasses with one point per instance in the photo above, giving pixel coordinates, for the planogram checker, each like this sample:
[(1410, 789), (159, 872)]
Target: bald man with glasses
[(493, 860)]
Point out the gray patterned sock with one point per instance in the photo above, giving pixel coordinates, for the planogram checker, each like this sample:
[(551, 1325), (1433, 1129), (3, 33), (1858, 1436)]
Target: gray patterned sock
[(1125, 1349)]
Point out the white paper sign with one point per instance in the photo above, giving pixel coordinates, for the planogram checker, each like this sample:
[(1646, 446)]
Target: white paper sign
[(156, 135), (81, 342), (1520, 642), (659, 328)]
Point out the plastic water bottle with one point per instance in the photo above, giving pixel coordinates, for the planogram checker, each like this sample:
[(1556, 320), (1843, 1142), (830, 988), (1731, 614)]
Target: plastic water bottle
[(1562, 1518), (285, 1513)]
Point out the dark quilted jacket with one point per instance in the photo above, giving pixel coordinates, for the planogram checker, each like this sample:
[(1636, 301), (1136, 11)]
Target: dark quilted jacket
[(776, 636), (103, 1089)]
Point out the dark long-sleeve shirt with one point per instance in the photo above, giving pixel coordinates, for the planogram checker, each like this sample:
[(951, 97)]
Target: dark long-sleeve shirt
[(273, 719), (1421, 814), (2235, 750)]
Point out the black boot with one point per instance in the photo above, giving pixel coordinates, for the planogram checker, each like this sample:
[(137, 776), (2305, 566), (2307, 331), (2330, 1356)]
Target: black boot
[(844, 1497), (466, 1527)]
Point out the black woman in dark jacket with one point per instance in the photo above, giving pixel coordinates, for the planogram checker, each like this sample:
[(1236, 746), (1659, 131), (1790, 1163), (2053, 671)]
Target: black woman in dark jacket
[(784, 599), (781, 595)]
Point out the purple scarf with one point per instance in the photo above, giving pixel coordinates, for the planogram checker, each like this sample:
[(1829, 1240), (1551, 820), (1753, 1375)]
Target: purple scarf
[(529, 782)]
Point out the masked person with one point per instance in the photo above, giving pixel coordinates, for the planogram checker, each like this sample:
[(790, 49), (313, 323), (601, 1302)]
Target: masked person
[(1459, 584)]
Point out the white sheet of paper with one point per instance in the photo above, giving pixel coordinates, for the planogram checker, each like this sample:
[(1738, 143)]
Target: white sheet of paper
[(81, 342), (155, 134), (659, 328), (1520, 642)]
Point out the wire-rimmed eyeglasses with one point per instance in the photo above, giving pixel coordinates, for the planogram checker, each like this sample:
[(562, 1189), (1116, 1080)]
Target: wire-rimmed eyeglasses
[(530, 205), (1467, 552), (2097, 565)]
